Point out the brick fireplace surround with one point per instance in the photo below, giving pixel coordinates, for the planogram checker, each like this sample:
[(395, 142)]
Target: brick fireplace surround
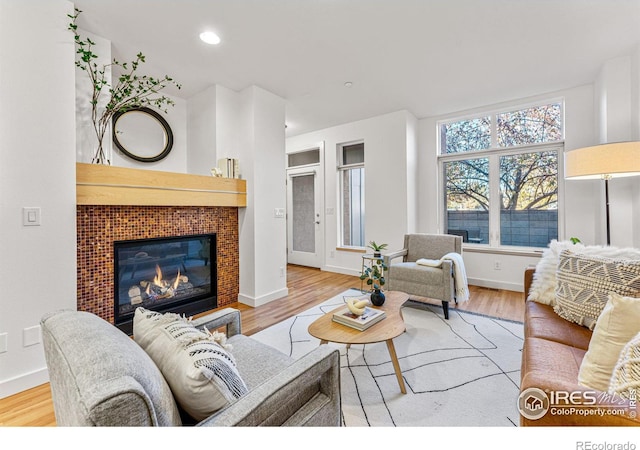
[(98, 226)]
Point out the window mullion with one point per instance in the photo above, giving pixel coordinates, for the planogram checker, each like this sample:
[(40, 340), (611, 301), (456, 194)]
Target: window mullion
[(494, 200), (494, 131)]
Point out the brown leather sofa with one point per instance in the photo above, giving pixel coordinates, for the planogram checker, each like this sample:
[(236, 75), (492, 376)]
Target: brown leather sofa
[(551, 357)]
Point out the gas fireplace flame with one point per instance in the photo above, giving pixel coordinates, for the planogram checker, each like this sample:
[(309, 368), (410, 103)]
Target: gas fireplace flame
[(177, 282), (157, 280)]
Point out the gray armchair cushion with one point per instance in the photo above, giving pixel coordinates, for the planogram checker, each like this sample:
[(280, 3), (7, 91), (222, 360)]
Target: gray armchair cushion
[(255, 371)]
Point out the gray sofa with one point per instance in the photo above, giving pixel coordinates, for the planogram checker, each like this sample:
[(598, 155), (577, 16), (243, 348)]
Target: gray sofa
[(424, 281), (99, 376)]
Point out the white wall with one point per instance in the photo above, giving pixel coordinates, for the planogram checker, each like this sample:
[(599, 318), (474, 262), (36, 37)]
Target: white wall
[(201, 132), (617, 89), (228, 120), (262, 161), (37, 168), (390, 181)]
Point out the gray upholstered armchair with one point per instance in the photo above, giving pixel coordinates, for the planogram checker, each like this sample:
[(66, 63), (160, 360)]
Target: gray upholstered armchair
[(424, 281), (99, 376)]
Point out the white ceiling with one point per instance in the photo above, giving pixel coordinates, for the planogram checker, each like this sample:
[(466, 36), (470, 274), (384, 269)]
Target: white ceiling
[(430, 57)]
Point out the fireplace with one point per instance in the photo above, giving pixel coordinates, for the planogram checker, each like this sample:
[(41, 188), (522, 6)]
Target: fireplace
[(169, 274)]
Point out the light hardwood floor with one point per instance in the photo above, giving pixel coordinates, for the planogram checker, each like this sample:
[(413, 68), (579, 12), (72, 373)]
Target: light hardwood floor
[(307, 287)]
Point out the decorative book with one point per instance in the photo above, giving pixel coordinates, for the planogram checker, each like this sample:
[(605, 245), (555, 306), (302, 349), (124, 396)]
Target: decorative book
[(370, 317)]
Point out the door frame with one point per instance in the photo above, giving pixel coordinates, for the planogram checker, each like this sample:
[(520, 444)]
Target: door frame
[(318, 170)]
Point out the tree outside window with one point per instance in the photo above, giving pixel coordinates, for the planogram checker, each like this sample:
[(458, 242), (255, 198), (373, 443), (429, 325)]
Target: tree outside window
[(516, 161)]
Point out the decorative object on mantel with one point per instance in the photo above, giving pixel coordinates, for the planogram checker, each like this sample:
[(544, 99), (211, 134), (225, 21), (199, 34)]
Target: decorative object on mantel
[(142, 134), (130, 91), (229, 167), (215, 172)]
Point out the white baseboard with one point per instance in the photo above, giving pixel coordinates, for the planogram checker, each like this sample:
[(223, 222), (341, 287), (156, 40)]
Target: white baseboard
[(23, 382), (342, 270), (493, 284), (263, 299)]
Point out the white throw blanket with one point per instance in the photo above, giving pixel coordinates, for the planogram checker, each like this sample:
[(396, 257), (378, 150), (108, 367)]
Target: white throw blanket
[(459, 273)]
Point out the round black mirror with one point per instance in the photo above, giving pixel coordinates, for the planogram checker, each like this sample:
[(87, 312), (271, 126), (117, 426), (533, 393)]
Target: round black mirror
[(142, 134)]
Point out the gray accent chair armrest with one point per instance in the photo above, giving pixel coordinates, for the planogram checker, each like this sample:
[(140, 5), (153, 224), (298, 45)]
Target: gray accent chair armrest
[(388, 257), (227, 317), (305, 393)]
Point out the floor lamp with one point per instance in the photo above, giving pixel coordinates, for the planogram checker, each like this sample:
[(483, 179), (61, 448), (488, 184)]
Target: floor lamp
[(606, 161)]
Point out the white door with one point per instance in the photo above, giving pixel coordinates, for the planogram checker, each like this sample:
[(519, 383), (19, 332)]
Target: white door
[(304, 221)]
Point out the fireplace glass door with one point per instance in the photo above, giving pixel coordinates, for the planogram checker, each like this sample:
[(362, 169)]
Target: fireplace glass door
[(176, 274)]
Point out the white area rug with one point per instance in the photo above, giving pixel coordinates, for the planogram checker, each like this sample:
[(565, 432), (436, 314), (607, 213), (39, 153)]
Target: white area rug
[(464, 371)]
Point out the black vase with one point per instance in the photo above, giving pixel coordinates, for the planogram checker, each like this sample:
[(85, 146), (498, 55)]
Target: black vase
[(377, 298)]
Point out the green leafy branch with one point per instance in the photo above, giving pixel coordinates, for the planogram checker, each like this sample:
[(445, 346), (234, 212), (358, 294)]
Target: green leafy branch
[(130, 91), (374, 274)]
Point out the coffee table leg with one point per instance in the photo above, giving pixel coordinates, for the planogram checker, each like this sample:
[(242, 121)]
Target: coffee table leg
[(322, 341), (396, 365)]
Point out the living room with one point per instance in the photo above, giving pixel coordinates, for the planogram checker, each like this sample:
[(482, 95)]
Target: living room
[(41, 143)]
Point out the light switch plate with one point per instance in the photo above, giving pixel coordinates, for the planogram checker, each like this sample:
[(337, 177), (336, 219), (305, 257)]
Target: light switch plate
[(278, 213), (31, 216)]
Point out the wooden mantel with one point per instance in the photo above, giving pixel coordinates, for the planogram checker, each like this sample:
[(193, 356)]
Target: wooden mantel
[(107, 185)]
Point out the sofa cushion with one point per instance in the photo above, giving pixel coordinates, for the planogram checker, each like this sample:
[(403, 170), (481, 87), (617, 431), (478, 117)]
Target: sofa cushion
[(584, 283), (546, 364), (255, 371), (202, 374), (542, 322), (625, 379), (618, 323)]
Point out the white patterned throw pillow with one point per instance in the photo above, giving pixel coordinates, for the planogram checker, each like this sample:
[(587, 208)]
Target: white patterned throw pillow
[(199, 369), (625, 380), (584, 283)]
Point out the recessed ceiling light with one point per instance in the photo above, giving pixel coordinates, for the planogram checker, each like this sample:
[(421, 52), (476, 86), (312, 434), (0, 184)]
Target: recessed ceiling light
[(348, 84), (210, 37)]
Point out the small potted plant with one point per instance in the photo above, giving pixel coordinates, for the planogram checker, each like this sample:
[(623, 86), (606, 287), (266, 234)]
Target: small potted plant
[(377, 248), (374, 275)]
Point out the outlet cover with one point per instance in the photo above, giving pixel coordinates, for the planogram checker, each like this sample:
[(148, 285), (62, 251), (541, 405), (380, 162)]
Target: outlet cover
[(3, 342), (31, 336)]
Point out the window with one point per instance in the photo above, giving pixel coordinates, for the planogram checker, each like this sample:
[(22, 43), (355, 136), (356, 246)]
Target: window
[(351, 179), (500, 176)]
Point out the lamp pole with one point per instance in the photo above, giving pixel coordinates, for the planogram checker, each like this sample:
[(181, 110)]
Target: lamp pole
[(606, 200)]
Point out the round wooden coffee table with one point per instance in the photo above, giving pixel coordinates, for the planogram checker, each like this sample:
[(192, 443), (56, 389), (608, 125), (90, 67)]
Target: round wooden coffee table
[(392, 326)]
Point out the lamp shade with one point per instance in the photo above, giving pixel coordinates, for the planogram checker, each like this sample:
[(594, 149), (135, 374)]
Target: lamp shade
[(618, 159)]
